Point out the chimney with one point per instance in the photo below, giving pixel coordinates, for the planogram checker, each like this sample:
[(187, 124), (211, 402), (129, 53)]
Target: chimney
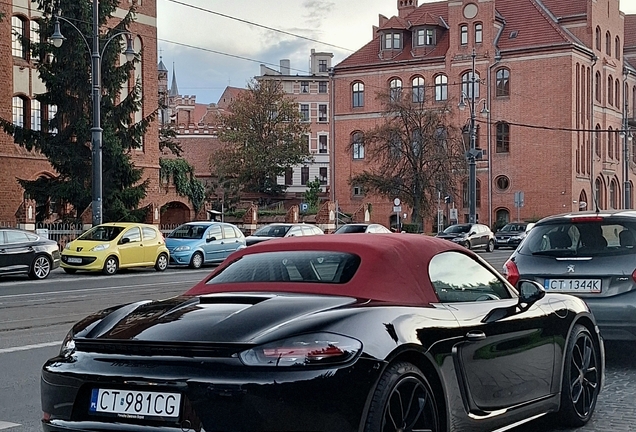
[(405, 7), (285, 67)]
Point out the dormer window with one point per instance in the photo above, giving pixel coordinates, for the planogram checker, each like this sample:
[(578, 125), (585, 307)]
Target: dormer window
[(392, 41), (424, 37)]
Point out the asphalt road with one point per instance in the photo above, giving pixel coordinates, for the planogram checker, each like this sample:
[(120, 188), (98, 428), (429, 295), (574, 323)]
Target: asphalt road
[(36, 315)]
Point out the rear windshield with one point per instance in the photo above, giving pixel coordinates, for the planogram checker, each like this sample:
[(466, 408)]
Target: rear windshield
[(605, 238), (101, 233), (272, 231), (351, 229), (294, 266)]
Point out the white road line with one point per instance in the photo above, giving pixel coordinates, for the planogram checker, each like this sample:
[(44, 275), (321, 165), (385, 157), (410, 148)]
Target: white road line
[(7, 425), (25, 348)]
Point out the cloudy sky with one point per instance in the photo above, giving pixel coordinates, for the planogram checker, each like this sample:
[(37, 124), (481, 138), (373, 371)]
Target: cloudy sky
[(216, 43)]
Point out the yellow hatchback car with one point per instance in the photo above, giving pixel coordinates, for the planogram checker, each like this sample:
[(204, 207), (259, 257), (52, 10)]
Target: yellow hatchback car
[(111, 246)]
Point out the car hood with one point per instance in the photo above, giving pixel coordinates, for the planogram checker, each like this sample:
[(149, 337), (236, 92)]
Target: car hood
[(508, 233), (85, 245), (176, 242), (451, 235), (216, 318), (257, 239)]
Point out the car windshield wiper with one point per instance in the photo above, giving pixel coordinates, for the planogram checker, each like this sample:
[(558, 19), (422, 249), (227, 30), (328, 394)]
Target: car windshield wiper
[(556, 252)]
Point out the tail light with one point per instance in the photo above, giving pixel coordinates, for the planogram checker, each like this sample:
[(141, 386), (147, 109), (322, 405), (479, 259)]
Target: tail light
[(634, 275), (511, 272)]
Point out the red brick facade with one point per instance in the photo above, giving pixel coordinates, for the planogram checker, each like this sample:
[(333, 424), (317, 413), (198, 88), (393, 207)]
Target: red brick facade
[(548, 50)]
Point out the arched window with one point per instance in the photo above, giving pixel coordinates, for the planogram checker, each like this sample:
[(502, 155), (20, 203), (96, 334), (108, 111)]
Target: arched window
[(358, 94), (617, 47), (36, 115), (597, 86), (608, 43), (598, 189), (19, 105), (503, 138), (417, 88), (503, 216), (610, 90), (395, 89), (357, 141), (610, 143), (613, 194), (597, 140), (465, 191), (617, 94), (598, 38), (441, 87), (18, 31), (479, 32), (463, 34), (35, 36), (468, 86), (503, 82)]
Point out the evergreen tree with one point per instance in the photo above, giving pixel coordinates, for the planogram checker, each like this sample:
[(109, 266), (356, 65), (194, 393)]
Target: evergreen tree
[(65, 138)]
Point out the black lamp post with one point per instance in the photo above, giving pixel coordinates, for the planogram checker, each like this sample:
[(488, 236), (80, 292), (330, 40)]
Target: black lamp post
[(57, 39)]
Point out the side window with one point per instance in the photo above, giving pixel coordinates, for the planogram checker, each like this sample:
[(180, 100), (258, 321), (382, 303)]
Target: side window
[(2, 241), (474, 283), (228, 232), (16, 237), (149, 233), (295, 231), (133, 234), (308, 231), (215, 232), (237, 232)]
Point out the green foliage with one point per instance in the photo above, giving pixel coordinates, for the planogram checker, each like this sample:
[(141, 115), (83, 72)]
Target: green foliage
[(261, 137), (68, 82), (312, 196), (182, 175)]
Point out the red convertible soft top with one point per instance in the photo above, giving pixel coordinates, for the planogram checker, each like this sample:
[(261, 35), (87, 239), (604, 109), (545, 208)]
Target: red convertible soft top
[(393, 267)]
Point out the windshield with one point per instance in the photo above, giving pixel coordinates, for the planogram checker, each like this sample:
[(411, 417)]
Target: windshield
[(597, 238), (188, 232), (272, 231), (101, 233), (457, 229), (351, 229), (513, 227)]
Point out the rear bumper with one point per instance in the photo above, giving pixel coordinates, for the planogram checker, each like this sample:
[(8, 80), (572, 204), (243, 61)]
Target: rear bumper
[(615, 316)]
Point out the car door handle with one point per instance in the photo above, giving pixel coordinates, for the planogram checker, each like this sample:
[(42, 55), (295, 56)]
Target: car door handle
[(474, 336)]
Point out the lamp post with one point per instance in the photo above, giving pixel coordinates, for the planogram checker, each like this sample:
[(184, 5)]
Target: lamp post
[(96, 131), (627, 136)]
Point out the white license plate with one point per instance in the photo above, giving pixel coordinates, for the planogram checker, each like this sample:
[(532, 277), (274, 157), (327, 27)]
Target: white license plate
[(136, 404), (72, 260), (573, 285)]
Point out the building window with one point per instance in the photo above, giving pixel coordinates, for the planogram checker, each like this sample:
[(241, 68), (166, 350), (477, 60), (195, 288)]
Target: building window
[(18, 28), (304, 86), (322, 87), (608, 43), (358, 94), (597, 86), (51, 112), (36, 115), (322, 113), (610, 143), (597, 140), (392, 41), (304, 112), (479, 33), (598, 38), (307, 141), (304, 175), (358, 145), (19, 114), (35, 36), (357, 191), (395, 89), (617, 47), (502, 182), (425, 37), (441, 87), (465, 191), (617, 94), (463, 34), (467, 84), (289, 176), (323, 175), (322, 65), (418, 89), (503, 83), (503, 137), (610, 90), (322, 144), (612, 195)]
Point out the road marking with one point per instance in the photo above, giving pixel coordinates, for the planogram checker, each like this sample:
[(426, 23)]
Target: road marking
[(7, 425), (24, 348)]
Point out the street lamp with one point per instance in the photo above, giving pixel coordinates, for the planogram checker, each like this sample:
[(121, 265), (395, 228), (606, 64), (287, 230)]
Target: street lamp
[(472, 154), (57, 39), (627, 136)]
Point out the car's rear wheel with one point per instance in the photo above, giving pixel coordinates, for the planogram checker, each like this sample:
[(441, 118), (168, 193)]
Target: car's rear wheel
[(41, 267), (162, 262), (490, 246), (111, 265), (69, 271), (196, 261), (581, 378), (467, 245), (403, 401)]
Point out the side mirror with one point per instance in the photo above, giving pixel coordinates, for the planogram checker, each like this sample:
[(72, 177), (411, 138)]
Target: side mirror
[(125, 240), (210, 239), (529, 292), (472, 233)]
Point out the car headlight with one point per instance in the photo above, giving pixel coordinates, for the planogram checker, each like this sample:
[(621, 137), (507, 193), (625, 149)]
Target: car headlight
[(304, 350), (68, 245), (68, 345), (100, 247), (517, 237), (182, 248), (458, 239)]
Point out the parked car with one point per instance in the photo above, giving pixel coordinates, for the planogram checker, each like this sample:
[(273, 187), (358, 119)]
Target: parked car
[(196, 243), (116, 245), (471, 236), (22, 252), (510, 235), (371, 228), (332, 334), (280, 230), (588, 254)]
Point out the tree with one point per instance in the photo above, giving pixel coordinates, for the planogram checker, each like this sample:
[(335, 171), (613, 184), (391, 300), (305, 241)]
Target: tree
[(262, 135), (413, 154), (65, 137), (312, 195)]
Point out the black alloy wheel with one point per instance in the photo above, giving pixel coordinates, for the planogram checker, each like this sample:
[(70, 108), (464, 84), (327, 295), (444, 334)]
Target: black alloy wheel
[(581, 378), (403, 401), (41, 267)]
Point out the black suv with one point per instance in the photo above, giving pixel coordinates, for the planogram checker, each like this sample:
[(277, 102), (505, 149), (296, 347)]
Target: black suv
[(471, 236)]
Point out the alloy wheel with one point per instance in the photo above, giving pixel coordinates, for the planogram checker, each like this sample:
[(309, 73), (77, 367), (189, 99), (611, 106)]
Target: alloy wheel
[(41, 267), (410, 408), (584, 379)]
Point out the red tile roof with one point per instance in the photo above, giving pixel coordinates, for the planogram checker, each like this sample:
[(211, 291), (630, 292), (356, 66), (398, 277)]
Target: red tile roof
[(562, 9), (630, 31)]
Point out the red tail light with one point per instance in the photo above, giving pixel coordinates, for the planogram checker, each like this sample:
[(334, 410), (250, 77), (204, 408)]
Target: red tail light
[(634, 275), (582, 219), (512, 272)]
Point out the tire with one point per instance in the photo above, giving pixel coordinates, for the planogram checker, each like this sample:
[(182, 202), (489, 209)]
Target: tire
[(467, 245), (41, 267), (111, 265), (581, 380), (403, 400), (490, 246), (162, 262), (196, 261), (69, 271)]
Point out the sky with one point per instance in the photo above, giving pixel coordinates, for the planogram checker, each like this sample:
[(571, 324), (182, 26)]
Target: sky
[(209, 50)]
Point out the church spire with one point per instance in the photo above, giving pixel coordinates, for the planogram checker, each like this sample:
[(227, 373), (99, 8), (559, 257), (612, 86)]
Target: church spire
[(174, 90)]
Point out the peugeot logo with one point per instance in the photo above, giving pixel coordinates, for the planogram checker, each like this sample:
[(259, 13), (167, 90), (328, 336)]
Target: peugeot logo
[(571, 268)]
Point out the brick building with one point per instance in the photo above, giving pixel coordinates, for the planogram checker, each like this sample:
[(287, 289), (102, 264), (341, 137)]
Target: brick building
[(556, 77), (17, 101)]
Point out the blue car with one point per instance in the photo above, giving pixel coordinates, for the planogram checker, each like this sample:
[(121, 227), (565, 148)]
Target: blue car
[(196, 243)]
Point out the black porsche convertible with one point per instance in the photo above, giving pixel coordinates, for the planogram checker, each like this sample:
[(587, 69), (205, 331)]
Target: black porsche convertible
[(337, 334)]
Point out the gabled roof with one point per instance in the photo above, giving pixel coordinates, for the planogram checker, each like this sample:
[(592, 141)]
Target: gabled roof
[(229, 95), (395, 23), (161, 67)]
